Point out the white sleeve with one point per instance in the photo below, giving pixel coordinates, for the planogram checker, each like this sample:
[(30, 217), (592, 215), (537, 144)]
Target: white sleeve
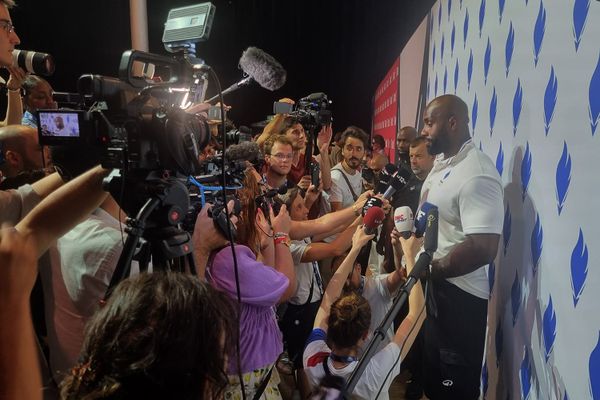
[(15, 204), (297, 248), (481, 205), (337, 194), (374, 377)]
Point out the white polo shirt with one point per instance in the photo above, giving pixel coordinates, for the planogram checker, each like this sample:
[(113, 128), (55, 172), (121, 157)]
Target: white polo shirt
[(467, 190)]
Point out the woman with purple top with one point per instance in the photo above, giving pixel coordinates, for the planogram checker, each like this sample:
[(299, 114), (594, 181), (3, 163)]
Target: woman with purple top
[(266, 278)]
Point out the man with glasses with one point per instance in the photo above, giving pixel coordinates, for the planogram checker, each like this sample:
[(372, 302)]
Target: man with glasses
[(8, 41), (278, 157)]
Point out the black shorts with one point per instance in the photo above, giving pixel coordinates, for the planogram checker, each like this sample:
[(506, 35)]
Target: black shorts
[(454, 342), (296, 325)]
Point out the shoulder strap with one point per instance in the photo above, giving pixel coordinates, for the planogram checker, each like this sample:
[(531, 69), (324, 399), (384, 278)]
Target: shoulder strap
[(263, 384), (326, 367), (354, 196)]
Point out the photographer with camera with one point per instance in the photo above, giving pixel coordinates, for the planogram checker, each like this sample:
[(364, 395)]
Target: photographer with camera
[(266, 278)]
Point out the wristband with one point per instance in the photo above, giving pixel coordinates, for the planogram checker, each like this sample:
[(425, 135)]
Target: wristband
[(281, 238), (13, 90)]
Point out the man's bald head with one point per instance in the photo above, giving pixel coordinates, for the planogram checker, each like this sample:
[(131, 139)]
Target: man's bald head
[(377, 162), (405, 136), (20, 149), (446, 124)]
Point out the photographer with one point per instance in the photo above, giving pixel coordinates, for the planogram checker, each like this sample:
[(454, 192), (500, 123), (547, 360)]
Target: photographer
[(266, 278)]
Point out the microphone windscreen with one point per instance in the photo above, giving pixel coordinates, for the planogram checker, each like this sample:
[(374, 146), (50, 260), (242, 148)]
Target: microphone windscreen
[(403, 219), (373, 218), (246, 151), (263, 68), (389, 169), (421, 219)]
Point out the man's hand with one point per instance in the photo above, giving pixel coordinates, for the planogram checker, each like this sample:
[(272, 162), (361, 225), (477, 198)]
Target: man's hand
[(360, 238), (17, 76), (305, 182), (18, 266), (324, 138), (411, 247), (206, 236), (312, 194), (282, 222)]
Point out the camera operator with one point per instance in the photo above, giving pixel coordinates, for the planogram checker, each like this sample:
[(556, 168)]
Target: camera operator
[(266, 278), (8, 41)]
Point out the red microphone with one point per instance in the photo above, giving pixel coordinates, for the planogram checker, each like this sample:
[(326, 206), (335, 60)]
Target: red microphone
[(372, 219)]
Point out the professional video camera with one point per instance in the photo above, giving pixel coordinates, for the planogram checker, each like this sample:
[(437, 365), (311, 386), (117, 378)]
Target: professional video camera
[(311, 111)]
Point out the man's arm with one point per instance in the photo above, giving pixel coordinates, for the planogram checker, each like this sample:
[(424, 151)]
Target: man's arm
[(19, 365), (64, 208), (14, 110), (323, 140), (321, 250), (476, 251)]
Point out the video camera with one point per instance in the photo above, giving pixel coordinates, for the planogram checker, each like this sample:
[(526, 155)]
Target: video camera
[(311, 111)]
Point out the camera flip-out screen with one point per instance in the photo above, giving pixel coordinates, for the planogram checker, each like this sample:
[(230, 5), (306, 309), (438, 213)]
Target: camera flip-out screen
[(59, 126)]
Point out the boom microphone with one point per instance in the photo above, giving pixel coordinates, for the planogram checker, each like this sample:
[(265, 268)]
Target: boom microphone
[(404, 221), (259, 67), (372, 219), (245, 151)]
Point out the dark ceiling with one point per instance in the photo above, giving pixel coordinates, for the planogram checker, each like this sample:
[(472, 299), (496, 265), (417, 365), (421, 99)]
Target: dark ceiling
[(340, 47)]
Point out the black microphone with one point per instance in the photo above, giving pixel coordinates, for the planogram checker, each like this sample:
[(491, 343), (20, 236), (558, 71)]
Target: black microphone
[(245, 151), (430, 244), (397, 182), (259, 67)]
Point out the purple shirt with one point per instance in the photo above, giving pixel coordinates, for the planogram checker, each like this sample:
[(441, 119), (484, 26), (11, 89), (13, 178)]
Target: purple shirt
[(260, 288)]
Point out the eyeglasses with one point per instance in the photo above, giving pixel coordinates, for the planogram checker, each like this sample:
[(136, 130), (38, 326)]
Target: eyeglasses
[(283, 157), (7, 26)]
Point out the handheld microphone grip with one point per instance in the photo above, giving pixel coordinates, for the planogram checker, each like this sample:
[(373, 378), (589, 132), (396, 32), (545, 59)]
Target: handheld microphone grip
[(372, 219), (430, 244), (404, 221)]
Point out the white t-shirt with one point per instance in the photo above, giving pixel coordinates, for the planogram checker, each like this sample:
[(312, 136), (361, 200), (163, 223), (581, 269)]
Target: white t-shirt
[(371, 381), (306, 272), (376, 292), (467, 190), (340, 192), (81, 265)]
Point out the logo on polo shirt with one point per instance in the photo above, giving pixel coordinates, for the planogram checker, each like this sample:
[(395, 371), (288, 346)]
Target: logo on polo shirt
[(447, 382)]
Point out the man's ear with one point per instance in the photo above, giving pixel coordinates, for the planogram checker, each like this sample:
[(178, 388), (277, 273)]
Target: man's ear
[(13, 158), (452, 122)]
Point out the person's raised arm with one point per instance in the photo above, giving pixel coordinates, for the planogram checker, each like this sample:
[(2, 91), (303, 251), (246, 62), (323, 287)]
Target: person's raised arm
[(19, 365), (328, 222), (323, 139), (64, 208), (283, 257), (336, 284), (398, 276), (317, 251), (410, 326)]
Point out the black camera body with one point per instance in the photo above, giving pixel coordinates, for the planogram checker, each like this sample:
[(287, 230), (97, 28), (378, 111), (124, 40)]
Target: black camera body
[(311, 111), (136, 122), (315, 171)]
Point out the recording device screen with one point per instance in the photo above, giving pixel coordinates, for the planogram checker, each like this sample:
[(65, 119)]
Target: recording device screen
[(61, 124)]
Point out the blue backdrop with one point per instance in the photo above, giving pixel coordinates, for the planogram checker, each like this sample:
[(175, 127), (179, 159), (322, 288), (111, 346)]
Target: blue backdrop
[(530, 72)]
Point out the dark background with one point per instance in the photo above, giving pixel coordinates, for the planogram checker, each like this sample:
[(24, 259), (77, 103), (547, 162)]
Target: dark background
[(340, 47)]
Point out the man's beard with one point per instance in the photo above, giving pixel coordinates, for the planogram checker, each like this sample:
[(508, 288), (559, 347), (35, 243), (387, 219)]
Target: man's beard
[(354, 161)]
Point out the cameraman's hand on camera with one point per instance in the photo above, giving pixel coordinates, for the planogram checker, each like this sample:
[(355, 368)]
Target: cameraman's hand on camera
[(207, 237), (305, 182), (16, 78), (360, 238)]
